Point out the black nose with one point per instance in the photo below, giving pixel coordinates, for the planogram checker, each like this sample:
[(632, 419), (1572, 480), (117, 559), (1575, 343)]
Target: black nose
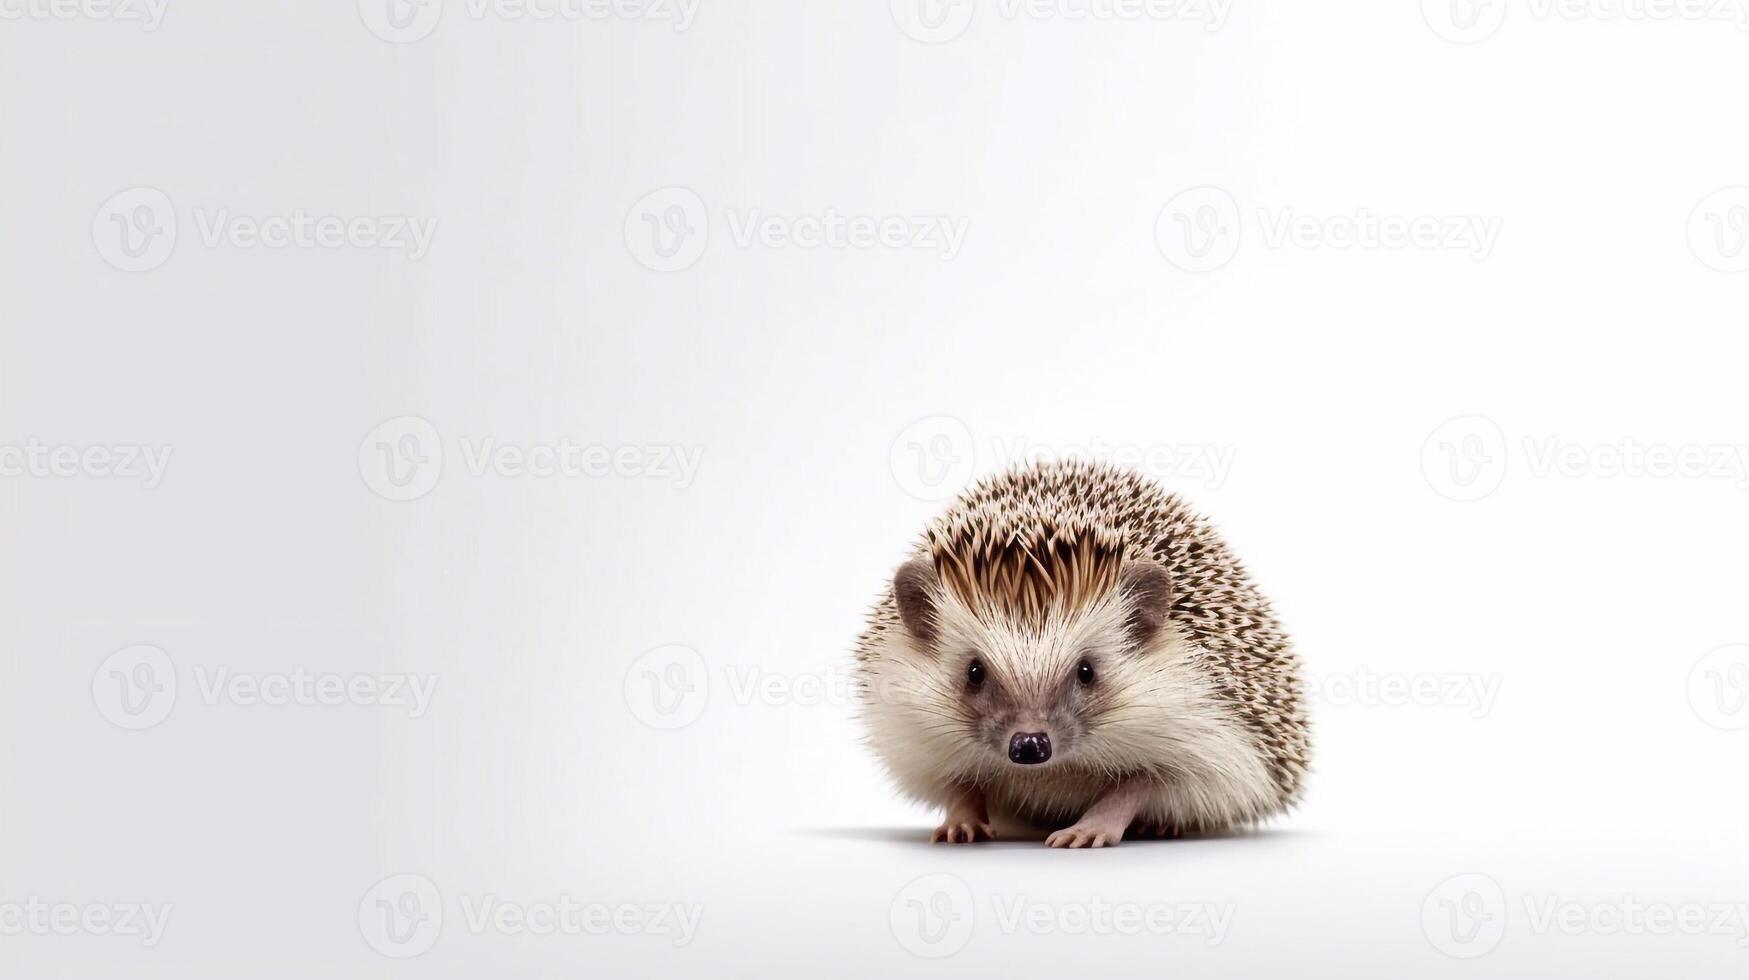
[(1029, 748)]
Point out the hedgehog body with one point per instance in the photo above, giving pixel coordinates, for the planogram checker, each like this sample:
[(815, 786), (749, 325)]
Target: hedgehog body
[(1069, 645)]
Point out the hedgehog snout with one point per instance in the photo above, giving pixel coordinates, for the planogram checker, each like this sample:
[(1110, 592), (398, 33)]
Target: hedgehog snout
[(1029, 748)]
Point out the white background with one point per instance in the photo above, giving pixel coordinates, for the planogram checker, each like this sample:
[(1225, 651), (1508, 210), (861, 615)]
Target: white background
[(831, 396)]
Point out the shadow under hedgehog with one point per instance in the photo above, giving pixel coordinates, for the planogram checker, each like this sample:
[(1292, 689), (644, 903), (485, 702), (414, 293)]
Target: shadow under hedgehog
[(1070, 648)]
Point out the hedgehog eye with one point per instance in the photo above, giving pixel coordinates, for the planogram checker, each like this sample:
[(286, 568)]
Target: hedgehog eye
[(1084, 674), (975, 673)]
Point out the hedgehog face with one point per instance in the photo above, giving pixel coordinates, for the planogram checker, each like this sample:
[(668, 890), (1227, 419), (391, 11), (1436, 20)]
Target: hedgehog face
[(1033, 691)]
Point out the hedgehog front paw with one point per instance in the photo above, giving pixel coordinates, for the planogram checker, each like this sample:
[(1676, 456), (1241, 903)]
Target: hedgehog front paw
[(1087, 834), (958, 831)]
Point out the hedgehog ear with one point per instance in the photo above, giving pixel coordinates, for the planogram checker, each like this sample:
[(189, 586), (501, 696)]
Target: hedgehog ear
[(1150, 590), (914, 588)]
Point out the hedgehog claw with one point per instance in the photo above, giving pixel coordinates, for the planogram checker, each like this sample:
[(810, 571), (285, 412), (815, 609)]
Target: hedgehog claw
[(962, 832), (1085, 835)]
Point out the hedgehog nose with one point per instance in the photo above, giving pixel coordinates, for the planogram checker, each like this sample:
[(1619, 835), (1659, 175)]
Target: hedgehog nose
[(1029, 748)]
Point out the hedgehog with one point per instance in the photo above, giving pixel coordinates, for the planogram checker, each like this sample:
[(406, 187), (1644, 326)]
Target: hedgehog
[(1070, 648)]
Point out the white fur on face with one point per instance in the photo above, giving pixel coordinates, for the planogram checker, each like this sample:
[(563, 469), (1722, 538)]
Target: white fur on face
[(1152, 714)]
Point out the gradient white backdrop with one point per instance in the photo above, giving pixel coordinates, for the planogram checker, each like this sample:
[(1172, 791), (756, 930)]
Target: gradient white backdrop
[(447, 451)]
